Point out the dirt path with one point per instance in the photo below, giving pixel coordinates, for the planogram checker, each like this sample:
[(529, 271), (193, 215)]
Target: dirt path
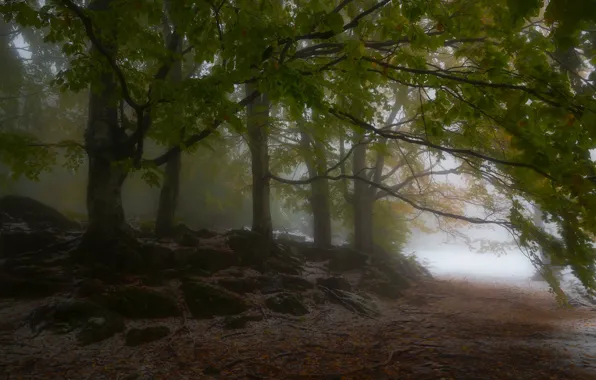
[(439, 330)]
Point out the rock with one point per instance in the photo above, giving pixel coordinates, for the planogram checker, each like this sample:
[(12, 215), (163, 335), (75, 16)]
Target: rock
[(239, 285), (156, 256), (93, 322), (335, 283), (12, 286), (240, 321), (269, 284), (90, 287), (346, 259), (17, 242), (286, 303), (278, 264), (295, 283), (213, 260), (137, 337), (135, 302), (206, 234), (315, 254), (252, 248), (205, 300), (36, 214), (351, 301)]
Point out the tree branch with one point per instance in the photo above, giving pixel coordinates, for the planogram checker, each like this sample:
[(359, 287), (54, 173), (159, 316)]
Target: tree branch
[(396, 135), (414, 177), (440, 74), (394, 194), (88, 25), (158, 161)]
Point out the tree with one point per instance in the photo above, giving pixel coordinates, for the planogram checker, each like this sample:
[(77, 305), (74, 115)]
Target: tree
[(491, 96)]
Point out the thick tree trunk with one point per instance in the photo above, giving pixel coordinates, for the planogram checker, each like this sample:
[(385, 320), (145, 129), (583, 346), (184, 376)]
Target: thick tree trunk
[(168, 197), (257, 120), (105, 145), (362, 203), (319, 199), (321, 214)]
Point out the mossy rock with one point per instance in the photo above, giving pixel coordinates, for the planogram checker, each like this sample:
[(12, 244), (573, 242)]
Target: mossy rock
[(137, 337), (93, 321), (240, 321), (135, 303), (205, 300), (296, 283), (12, 286), (239, 285), (286, 303)]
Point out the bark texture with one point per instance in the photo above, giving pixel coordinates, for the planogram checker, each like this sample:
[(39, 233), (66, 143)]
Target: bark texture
[(257, 123)]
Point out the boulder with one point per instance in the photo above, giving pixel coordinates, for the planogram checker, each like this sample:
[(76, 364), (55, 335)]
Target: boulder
[(335, 283), (17, 241), (251, 247), (93, 322), (269, 284), (135, 302), (205, 300), (286, 303), (36, 214), (315, 254), (295, 283), (213, 260), (240, 321), (90, 287), (137, 337), (239, 285), (13, 286)]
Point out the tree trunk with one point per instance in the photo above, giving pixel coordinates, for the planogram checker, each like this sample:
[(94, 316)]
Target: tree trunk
[(168, 197), (362, 203), (257, 120), (319, 199), (105, 145)]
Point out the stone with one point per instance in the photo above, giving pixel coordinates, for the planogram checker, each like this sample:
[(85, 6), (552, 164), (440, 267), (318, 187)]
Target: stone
[(286, 303), (240, 321), (335, 283), (137, 337), (206, 300), (239, 285), (295, 283), (12, 286), (36, 214), (17, 242), (269, 284), (213, 260), (137, 303), (90, 287), (94, 322)]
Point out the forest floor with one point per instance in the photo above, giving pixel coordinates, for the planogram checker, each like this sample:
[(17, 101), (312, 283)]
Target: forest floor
[(440, 329), (209, 305)]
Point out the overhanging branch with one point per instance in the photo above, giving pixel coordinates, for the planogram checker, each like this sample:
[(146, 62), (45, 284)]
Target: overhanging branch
[(396, 135)]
